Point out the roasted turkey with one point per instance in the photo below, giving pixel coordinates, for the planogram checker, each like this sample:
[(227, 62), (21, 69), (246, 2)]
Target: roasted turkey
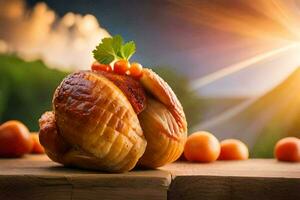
[(111, 122)]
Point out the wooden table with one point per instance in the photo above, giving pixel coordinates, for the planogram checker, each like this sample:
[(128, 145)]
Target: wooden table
[(36, 177)]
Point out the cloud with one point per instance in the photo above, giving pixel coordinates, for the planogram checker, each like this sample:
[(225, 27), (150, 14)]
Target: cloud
[(38, 33)]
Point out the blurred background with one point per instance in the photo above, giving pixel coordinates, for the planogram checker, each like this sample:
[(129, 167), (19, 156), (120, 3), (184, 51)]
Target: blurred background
[(234, 64)]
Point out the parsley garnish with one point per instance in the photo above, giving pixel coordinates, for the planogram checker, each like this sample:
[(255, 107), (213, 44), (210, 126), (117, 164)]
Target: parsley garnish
[(111, 49)]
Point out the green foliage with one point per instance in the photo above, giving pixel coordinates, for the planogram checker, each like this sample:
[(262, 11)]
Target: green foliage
[(190, 100), (266, 140), (278, 114), (113, 48), (26, 89), (270, 135)]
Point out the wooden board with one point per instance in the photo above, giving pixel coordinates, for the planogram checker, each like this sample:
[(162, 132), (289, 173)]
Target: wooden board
[(251, 179), (36, 177)]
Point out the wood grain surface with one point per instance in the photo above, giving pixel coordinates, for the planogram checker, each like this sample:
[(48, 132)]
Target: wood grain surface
[(36, 177), (251, 179)]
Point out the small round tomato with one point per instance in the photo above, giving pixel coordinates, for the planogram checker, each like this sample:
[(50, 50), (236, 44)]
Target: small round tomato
[(202, 147), (108, 68), (121, 67), (101, 67), (15, 139), (288, 149), (136, 69), (232, 149)]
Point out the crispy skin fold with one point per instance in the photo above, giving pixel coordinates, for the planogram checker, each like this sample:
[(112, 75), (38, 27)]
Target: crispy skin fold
[(54, 144), (165, 139), (163, 93), (131, 88), (163, 122), (95, 118)]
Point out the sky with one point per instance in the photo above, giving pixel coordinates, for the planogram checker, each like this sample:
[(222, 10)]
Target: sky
[(197, 38)]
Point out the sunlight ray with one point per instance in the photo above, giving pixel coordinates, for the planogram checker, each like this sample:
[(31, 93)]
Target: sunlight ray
[(198, 83)]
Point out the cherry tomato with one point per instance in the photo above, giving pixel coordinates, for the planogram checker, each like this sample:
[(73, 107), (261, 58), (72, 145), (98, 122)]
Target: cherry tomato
[(108, 68), (136, 69), (15, 139), (101, 67), (288, 149), (121, 67), (232, 149), (202, 147)]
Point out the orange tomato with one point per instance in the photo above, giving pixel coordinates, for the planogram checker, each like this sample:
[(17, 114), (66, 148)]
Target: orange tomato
[(37, 147), (121, 67), (101, 67), (109, 68), (136, 69), (202, 147), (232, 149), (15, 139), (288, 149)]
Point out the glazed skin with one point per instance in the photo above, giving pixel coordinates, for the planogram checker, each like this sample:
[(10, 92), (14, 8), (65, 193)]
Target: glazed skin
[(163, 122), (112, 122)]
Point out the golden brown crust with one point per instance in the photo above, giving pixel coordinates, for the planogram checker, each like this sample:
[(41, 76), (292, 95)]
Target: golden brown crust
[(53, 143), (97, 120), (132, 89), (94, 124), (85, 96), (162, 92), (163, 122), (164, 137)]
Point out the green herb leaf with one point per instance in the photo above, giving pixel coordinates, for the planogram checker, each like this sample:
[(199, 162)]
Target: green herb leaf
[(111, 49), (128, 50), (117, 43)]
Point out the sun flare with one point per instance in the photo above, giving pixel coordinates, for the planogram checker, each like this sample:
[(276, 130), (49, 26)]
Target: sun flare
[(274, 23)]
